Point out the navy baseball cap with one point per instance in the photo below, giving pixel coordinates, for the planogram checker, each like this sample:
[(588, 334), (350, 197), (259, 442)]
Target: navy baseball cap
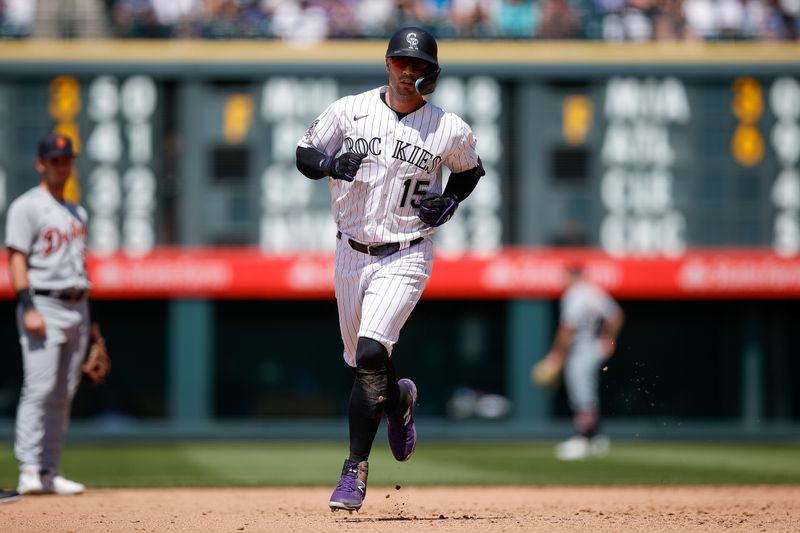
[(55, 145)]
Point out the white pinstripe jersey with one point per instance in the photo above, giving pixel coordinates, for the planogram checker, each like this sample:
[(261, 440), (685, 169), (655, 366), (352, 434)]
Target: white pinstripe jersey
[(404, 161)]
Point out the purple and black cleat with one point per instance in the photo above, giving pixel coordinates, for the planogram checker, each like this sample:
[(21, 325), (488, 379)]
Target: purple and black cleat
[(349, 493), (402, 431)]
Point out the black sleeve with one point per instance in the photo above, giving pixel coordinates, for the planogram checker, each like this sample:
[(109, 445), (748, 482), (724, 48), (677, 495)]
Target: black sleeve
[(312, 163), (461, 184)]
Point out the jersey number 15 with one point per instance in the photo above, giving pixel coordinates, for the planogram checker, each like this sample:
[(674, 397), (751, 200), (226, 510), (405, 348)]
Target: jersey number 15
[(417, 192)]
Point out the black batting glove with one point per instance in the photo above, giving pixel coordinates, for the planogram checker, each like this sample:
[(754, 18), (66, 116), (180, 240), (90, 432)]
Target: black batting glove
[(435, 209), (345, 166)]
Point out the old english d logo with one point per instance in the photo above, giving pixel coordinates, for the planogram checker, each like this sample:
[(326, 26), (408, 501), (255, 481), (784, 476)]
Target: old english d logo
[(412, 40), (60, 143)]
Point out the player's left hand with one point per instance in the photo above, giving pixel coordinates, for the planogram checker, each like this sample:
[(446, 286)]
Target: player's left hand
[(435, 209), (97, 364)]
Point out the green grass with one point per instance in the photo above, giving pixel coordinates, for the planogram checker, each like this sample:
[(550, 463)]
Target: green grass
[(279, 463)]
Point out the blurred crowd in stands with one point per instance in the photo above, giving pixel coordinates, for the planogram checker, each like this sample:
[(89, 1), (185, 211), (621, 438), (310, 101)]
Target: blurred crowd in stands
[(307, 21)]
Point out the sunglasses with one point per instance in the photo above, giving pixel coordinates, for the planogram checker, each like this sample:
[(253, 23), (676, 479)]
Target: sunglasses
[(414, 63)]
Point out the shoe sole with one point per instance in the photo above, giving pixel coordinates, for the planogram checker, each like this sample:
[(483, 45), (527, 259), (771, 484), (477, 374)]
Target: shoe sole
[(9, 499), (53, 492), (339, 506)]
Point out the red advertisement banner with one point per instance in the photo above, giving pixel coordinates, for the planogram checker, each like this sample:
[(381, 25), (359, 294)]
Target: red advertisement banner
[(514, 273)]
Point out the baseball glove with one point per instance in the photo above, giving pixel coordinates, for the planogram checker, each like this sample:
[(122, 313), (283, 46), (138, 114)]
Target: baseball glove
[(435, 209), (97, 364), (546, 373)]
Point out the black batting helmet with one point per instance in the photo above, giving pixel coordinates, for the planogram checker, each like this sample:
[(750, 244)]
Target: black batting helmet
[(413, 42), (418, 43)]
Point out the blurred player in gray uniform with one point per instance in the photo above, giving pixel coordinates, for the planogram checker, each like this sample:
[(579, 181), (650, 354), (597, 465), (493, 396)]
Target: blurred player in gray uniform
[(383, 152), (590, 320), (46, 241)]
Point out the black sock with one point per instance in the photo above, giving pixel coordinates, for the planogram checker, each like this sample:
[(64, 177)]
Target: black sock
[(364, 418), (363, 428)]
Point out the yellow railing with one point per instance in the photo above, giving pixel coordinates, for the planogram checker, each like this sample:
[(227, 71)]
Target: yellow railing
[(452, 52)]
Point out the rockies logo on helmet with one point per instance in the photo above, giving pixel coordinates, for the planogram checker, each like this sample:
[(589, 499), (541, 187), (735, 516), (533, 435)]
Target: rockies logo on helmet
[(412, 40)]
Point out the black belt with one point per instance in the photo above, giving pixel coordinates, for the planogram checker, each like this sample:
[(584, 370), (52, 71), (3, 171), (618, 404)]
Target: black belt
[(379, 250), (71, 294)]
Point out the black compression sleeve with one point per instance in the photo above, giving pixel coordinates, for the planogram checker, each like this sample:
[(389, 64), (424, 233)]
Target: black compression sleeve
[(312, 163), (461, 184)]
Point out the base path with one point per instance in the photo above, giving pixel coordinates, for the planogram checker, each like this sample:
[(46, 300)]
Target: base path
[(412, 509)]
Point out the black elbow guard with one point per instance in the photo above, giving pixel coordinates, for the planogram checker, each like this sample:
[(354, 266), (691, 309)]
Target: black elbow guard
[(311, 163), (461, 184)]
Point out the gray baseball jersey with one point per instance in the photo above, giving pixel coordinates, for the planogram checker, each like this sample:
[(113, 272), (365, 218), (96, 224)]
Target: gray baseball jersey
[(405, 156), (53, 235), (584, 307)]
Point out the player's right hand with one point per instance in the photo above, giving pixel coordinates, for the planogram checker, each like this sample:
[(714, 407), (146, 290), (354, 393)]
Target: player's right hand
[(34, 323), (346, 165)]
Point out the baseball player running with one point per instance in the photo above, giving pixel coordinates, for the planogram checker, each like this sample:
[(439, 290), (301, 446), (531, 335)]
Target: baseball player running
[(590, 320), (383, 152), (46, 240)]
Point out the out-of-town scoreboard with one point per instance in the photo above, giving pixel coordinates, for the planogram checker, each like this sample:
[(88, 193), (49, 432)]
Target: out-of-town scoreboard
[(687, 165)]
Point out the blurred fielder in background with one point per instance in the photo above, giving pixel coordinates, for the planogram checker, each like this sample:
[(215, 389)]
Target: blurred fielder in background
[(383, 151), (590, 320), (46, 240)]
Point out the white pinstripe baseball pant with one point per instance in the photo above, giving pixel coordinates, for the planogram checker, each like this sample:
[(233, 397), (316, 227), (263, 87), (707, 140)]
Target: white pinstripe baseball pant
[(375, 295)]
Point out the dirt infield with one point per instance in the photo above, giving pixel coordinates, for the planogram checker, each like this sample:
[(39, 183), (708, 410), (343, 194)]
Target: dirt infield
[(408, 510)]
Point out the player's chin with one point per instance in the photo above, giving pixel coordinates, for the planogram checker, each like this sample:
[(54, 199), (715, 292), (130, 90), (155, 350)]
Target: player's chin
[(407, 87)]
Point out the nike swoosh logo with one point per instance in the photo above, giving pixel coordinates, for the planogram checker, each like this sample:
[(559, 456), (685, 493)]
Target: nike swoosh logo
[(356, 118)]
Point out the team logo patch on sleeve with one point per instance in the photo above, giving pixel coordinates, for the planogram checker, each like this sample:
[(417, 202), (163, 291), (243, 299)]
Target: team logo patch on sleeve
[(310, 131)]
